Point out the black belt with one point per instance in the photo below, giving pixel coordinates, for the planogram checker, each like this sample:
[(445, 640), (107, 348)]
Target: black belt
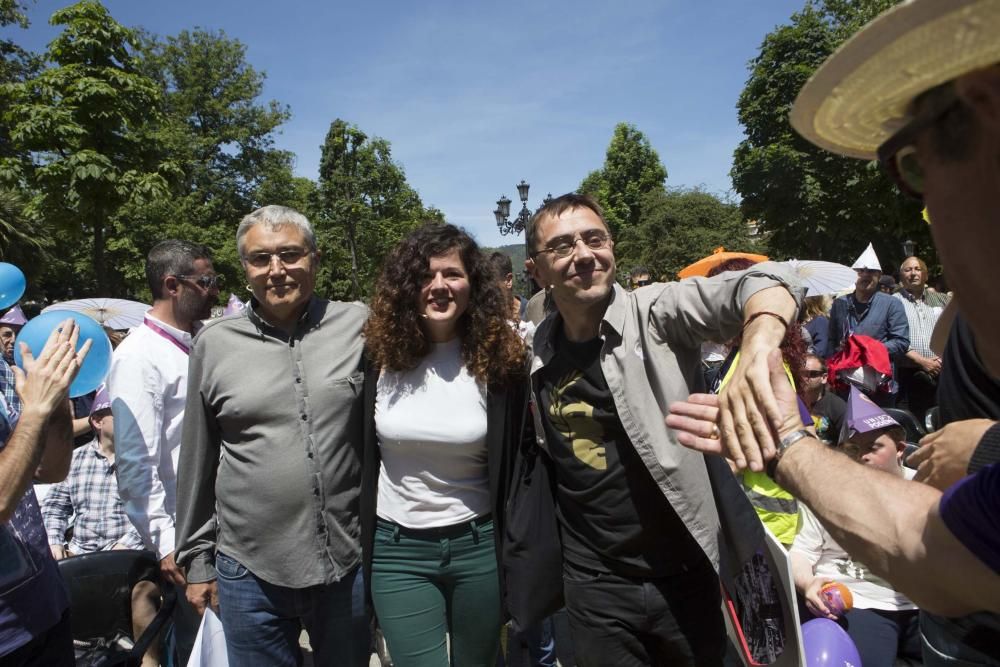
[(439, 532)]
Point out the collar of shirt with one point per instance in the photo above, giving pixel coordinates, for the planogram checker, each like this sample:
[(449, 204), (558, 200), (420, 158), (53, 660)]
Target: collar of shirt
[(310, 317), (182, 337), (613, 321), (94, 447)]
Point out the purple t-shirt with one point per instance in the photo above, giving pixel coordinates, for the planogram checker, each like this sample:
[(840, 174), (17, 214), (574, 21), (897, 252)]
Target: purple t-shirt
[(971, 510), (32, 593)]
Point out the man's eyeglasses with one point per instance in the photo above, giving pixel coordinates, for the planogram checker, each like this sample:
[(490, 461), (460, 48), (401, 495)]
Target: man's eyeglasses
[(815, 374), (287, 257), (205, 281), (898, 155), (566, 246), (644, 282)]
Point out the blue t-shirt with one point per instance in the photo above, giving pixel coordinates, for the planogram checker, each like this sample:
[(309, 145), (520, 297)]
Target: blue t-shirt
[(32, 593), (971, 510)]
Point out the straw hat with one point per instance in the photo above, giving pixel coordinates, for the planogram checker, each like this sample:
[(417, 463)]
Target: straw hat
[(860, 96)]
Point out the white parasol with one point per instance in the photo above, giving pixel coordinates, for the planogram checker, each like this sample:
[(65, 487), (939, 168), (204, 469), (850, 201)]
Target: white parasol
[(819, 277), (113, 313)]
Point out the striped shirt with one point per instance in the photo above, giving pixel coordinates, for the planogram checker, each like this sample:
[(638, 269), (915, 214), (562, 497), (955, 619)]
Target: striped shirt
[(921, 316), (7, 387), (91, 492)]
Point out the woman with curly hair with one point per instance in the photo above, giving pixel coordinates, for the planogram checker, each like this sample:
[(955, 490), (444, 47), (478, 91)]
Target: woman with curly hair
[(444, 401)]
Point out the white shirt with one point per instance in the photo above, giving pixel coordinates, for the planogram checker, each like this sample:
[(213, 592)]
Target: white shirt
[(830, 561), (431, 426), (147, 384)]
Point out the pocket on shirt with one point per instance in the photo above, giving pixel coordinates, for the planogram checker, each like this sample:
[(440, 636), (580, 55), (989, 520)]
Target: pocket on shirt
[(229, 568), (354, 383)]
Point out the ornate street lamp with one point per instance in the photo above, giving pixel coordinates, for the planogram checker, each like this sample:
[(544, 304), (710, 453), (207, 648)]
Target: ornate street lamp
[(502, 211), (909, 247)]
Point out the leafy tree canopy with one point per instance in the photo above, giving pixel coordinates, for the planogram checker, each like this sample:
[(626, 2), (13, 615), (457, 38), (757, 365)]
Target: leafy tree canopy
[(811, 203), (632, 168), (680, 226), (363, 206)]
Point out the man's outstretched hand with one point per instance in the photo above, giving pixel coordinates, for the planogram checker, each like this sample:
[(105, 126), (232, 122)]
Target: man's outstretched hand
[(701, 421)]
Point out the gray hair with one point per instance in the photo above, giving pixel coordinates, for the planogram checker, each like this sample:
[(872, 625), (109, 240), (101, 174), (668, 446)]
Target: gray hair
[(273, 217)]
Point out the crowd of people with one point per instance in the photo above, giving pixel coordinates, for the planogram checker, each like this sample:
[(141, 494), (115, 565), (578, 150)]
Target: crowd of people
[(451, 457)]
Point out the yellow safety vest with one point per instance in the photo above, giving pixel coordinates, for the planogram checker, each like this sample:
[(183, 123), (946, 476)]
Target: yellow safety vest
[(777, 508)]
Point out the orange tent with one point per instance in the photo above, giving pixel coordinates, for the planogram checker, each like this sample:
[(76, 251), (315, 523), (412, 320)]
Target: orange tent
[(718, 256)]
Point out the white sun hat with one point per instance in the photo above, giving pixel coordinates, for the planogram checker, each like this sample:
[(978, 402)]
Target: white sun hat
[(861, 95), (867, 260)]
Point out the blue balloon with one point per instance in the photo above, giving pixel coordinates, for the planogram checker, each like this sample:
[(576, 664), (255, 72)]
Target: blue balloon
[(95, 367), (826, 644), (12, 285)]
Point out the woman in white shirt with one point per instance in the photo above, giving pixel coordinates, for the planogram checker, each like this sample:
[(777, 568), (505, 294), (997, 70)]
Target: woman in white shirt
[(883, 623), (444, 401)]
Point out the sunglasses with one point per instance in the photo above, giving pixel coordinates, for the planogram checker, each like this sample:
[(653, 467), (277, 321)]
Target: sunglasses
[(205, 281), (898, 154), (815, 374), (566, 246), (643, 283), (287, 257)]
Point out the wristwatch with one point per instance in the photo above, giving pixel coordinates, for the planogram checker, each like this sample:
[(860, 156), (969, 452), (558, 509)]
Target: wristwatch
[(783, 445)]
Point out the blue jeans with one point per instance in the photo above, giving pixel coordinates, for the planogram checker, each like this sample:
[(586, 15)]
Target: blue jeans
[(262, 621), (882, 636), (537, 641)]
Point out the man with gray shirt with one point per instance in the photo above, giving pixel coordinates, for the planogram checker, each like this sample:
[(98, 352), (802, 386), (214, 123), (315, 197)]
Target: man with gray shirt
[(270, 471)]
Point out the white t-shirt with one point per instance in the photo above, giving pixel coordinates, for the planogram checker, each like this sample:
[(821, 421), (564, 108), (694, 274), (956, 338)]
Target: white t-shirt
[(830, 561), (431, 427)]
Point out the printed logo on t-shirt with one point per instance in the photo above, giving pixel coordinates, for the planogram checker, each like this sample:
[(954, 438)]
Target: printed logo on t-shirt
[(575, 421)]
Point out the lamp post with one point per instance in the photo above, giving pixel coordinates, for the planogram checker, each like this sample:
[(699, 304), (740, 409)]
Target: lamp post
[(502, 212), (909, 247), (518, 224)]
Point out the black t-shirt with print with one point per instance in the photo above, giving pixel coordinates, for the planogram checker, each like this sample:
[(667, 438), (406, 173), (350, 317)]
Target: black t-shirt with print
[(612, 515), (828, 418)]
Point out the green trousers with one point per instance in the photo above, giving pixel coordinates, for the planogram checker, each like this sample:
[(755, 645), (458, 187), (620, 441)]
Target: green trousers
[(427, 584)]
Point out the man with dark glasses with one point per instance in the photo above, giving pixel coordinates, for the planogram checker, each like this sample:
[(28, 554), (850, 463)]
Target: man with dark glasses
[(147, 385)]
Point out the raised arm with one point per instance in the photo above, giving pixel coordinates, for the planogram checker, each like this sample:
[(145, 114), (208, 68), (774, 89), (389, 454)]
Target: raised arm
[(43, 387), (894, 526), (748, 396)]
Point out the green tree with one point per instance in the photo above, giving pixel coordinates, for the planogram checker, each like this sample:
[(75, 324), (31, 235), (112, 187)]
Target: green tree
[(680, 226), (16, 65), (215, 129), (24, 238), (77, 122), (364, 206), (632, 168), (811, 203)]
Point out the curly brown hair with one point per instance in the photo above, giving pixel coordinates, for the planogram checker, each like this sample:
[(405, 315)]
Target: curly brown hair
[(491, 349)]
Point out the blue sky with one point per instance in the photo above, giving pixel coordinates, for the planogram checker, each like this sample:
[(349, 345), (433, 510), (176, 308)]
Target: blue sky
[(475, 96)]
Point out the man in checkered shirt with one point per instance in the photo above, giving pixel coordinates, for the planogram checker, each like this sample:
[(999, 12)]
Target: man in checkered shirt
[(91, 492)]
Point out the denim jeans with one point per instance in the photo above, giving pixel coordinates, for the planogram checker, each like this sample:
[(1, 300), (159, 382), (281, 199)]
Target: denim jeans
[(262, 621), (428, 584), (537, 641)]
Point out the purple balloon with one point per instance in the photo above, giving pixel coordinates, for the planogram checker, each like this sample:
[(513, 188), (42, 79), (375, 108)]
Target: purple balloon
[(826, 644)]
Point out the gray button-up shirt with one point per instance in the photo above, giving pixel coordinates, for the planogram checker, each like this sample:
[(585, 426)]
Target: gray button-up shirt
[(651, 357), (270, 463)]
